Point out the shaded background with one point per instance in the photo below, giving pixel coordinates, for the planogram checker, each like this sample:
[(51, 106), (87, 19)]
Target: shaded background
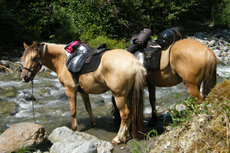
[(62, 21)]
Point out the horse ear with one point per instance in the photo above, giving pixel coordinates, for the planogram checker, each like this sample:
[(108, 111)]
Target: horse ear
[(34, 45), (25, 45)]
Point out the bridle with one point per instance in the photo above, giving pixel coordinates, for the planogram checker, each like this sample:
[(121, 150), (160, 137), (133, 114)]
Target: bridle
[(33, 70)]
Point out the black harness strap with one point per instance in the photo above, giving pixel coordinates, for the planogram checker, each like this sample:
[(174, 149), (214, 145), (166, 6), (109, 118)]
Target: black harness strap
[(32, 71), (174, 40)]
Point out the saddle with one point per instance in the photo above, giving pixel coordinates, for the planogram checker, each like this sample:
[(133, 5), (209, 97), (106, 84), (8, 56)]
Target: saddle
[(84, 59), (153, 57), (156, 57)]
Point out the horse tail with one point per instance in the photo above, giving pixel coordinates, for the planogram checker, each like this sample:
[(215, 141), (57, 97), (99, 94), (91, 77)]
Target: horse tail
[(137, 100), (210, 73)]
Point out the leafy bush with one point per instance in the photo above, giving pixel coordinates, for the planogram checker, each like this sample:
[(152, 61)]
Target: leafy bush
[(111, 43), (221, 14), (67, 20)]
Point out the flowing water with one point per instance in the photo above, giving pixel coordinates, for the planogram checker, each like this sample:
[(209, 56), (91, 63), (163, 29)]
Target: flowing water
[(51, 108)]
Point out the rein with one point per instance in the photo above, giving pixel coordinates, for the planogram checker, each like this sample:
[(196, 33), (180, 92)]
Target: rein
[(32, 86), (33, 99)]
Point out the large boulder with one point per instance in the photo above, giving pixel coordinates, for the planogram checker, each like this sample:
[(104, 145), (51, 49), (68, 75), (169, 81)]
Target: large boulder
[(68, 141), (22, 135)]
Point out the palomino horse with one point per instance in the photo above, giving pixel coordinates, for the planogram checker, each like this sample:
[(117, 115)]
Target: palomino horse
[(119, 71), (192, 63)]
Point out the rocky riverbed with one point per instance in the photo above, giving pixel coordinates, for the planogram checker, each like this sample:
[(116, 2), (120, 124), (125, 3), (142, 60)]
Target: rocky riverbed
[(52, 108)]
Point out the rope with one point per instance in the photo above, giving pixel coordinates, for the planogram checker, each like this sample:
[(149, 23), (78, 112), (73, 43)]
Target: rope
[(33, 102)]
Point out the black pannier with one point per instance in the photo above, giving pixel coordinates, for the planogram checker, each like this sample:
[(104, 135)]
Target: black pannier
[(169, 36)]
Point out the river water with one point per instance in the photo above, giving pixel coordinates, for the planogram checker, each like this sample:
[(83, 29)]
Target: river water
[(51, 108)]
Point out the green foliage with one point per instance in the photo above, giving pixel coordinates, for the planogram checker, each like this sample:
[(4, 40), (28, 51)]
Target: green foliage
[(221, 14), (135, 147), (67, 20), (193, 108), (111, 43), (25, 150)]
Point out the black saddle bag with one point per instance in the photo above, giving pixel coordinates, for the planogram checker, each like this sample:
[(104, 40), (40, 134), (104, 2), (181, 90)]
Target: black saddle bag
[(169, 36)]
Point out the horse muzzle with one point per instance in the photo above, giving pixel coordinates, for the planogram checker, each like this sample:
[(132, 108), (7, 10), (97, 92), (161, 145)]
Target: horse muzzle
[(27, 78), (27, 74)]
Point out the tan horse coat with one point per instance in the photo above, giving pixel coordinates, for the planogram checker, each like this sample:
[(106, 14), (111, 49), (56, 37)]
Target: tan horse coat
[(191, 63), (119, 71)]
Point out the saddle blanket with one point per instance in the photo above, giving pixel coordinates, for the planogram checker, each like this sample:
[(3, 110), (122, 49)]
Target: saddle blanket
[(91, 63)]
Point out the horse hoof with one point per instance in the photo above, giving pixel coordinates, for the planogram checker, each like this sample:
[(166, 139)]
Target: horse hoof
[(74, 128), (116, 141)]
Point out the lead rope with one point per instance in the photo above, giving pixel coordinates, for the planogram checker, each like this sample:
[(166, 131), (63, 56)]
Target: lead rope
[(33, 99)]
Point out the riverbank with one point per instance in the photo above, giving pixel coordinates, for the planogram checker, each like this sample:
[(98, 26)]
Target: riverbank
[(52, 107)]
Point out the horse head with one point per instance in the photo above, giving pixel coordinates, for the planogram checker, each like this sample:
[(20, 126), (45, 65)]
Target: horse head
[(32, 61)]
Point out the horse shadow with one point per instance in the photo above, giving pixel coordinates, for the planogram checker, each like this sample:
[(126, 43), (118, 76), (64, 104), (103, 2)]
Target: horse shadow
[(110, 125)]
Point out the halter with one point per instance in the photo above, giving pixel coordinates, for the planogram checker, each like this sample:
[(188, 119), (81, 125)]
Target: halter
[(32, 71)]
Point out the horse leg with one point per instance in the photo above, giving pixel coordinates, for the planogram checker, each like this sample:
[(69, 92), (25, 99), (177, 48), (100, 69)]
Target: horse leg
[(88, 107), (194, 90), (71, 94), (124, 109), (115, 112), (152, 100)]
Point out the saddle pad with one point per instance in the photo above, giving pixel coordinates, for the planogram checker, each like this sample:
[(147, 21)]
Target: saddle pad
[(91, 63), (164, 62)]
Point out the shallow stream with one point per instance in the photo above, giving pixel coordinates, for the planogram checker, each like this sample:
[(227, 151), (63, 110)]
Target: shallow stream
[(51, 108)]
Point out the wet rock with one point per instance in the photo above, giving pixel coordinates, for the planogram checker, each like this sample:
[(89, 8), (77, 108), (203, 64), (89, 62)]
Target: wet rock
[(217, 52), (28, 96), (43, 92), (212, 43), (15, 111), (11, 67), (68, 141), (44, 74), (223, 54), (8, 92), (6, 63), (218, 41), (7, 108), (22, 135), (16, 67)]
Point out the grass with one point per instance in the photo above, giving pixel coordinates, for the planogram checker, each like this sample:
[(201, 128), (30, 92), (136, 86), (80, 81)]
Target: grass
[(199, 128), (135, 147), (25, 150)]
